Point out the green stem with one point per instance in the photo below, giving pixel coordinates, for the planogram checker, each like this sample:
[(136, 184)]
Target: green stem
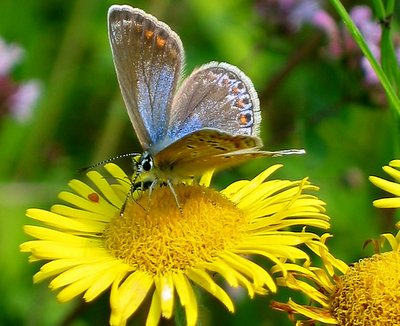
[(388, 53), (359, 39), (379, 8), (390, 6)]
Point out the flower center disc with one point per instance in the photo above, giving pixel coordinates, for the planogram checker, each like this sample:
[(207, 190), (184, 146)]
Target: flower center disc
[(369, 292), (154, 236)]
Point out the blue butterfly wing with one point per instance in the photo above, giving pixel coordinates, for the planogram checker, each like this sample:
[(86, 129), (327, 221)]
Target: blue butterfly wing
[(148, 58), (217, 96)]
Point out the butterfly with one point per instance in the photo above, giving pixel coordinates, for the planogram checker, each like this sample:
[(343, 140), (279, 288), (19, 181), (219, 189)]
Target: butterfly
[(211, 121)]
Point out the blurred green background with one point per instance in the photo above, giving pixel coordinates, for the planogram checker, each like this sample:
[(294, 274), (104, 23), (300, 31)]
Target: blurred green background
[(309, 98)]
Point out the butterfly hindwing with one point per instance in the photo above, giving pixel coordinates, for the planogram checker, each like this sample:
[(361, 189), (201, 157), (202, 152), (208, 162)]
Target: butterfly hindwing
[(216, 96), (205, 149), (148, 58)]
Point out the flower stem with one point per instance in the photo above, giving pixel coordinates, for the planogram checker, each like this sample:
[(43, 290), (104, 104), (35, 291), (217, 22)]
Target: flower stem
[(359, 39)]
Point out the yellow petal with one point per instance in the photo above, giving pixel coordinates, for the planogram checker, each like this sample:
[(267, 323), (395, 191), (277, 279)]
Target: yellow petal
[(314, 313), (312, 292), (83, 203), (104, 281), (119, 176), (54, 250), (165, 287), (389, 186), (187, 297), (206, 178), (218, 266), (104, 186), (44, 233), (81, 271), (387, 202), (393, 242), (131, 293), (288, 252), (239, 263), (207, 283), (259, 276), (231, 275), (394, 173), (395, 163), (231, 190), (64, 223), (77, 213), (75, 288), (154, 314), (56, 267)]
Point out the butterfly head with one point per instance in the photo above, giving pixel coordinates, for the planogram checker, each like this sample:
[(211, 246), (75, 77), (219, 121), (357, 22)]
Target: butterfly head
[(144, 175)]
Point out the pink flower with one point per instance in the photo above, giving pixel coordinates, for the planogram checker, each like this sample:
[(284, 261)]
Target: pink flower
[(16, 99), (10, 55), (24, 99)]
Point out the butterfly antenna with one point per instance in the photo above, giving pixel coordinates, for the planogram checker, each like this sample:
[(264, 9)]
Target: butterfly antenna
[(292, 151), (81, 170)]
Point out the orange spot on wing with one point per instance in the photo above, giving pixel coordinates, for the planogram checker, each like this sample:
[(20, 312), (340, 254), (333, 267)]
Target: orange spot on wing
[(244, 118), (148, 34), (161, 41)]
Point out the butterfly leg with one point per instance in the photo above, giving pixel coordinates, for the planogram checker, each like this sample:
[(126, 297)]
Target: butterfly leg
[(133, 187), (153, 184), (129, 194), (175, 196)]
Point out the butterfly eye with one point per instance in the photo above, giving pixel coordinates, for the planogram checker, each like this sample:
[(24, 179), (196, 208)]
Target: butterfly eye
[(146, 162), (147, 165)]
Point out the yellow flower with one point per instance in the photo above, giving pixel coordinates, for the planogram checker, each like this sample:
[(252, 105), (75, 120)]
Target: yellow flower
[(365, 293), (156, 249), (389, 186)]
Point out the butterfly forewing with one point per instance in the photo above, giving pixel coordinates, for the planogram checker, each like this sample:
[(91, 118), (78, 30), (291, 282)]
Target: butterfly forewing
[(217, 96), (205, 149), (148, 58)]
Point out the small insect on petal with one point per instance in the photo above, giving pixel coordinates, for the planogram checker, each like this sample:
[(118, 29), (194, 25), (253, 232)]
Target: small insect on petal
[(94, 197)]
